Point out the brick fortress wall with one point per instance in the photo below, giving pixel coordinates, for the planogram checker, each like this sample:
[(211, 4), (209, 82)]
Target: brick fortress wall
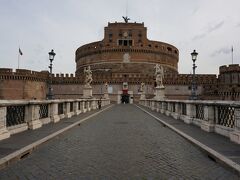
[(26, 84), (22, 84)]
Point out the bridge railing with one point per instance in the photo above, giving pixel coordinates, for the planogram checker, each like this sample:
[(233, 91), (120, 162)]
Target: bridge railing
[(20, 115), (222, 117)]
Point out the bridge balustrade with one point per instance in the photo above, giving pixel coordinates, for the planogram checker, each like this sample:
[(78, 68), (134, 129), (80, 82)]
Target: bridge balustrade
[(20, 115), (221, 117)]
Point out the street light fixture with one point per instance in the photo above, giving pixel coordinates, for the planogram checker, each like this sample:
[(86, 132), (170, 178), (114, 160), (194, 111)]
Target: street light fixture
[(194, 86), (51, 58)]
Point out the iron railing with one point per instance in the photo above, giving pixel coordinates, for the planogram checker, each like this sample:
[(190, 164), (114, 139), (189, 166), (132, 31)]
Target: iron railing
[(15, 115)]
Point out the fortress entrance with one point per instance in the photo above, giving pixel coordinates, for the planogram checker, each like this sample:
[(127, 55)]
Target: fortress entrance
[(125, 98)]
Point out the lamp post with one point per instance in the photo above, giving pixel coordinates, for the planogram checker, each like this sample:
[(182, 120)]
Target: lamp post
[(194, 86), (51, 58)]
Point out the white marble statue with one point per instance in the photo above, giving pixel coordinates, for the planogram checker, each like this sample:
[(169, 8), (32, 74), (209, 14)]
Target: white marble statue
[(142, 87), (106, 87), (88, 76), (159, 74)]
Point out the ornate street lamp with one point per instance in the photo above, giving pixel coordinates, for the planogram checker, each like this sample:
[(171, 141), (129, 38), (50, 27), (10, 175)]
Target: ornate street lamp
[(51, 58), (194, 86)]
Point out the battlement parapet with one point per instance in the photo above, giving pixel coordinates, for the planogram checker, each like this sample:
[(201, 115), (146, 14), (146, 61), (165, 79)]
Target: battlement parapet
[(6, 70), (23, 74), (229, 69)]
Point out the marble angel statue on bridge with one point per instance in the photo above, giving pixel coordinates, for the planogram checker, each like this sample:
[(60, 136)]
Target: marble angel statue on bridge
[(159, 74), (88, 76)]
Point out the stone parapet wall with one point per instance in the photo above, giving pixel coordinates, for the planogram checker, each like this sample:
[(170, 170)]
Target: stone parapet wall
[(21, 115), (221, 117)]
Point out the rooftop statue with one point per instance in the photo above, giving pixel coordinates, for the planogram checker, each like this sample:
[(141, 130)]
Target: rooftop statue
[(126, 19)]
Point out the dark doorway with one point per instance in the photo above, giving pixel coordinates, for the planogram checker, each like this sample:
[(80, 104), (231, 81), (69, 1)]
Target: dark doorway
[(125, 98)]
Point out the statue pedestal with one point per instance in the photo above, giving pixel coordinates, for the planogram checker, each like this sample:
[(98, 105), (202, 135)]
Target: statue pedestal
[(142, 96), (87, 92), (106, 96), (160, 93)]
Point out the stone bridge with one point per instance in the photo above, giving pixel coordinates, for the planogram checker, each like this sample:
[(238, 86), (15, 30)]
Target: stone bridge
[(73, 139)]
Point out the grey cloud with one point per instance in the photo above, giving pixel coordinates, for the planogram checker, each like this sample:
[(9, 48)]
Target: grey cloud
[(199, 36), (238, 25), (215, 27), (210, 29), (195, 10), (224, 50)]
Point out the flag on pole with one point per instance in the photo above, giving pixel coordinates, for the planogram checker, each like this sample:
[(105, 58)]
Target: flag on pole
[(20, 52)]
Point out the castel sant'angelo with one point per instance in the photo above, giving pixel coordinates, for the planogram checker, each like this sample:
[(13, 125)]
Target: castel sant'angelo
[(124, 59)]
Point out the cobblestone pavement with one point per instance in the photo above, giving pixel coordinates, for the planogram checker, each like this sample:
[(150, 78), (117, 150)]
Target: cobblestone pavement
[(120, 143)]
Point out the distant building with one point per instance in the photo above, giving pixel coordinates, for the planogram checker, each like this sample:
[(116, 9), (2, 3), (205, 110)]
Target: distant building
[(124, 59)]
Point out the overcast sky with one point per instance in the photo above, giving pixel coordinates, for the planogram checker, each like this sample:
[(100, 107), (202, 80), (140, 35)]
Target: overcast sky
[(211, 27)]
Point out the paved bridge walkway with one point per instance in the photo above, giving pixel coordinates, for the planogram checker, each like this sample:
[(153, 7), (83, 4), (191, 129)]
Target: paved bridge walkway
[(122, 142)]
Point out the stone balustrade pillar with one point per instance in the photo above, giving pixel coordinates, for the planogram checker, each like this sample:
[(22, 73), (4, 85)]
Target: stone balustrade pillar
[(152, 105), (163, 107), (32, 116), (76, 108), (94, 104), (190, 113), (177, 113), (88, 105), (157, 106), (208, 122), (54, 112), (235, 134), (83, 106), (3, 125), (67, 112), (168, 108)]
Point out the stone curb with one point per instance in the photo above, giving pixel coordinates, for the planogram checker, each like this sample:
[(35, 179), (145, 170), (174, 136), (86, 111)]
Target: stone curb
[(221, 158), (19, 154)]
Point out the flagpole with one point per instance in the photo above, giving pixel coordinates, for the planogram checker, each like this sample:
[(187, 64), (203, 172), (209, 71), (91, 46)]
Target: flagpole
[(18, 59), (232, 54)]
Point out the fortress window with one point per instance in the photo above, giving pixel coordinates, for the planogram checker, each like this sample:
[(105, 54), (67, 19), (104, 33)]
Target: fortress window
[(150, 45), (110, 40), (130, 42), (175, 51), (139, 35), (120, 42), (169, 49), (110, 35), (124, 42)]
